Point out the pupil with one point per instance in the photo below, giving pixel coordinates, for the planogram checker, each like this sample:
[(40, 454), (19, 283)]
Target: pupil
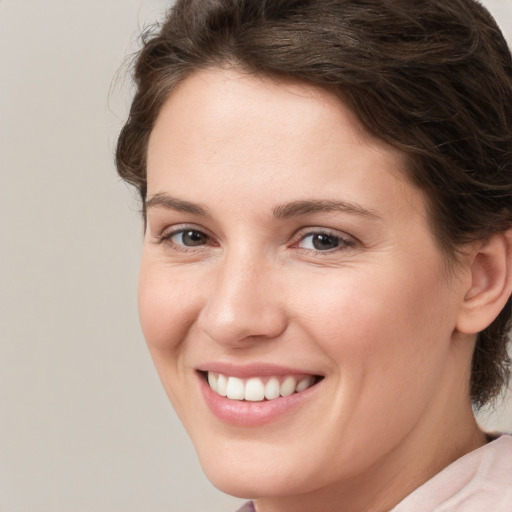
[(324, 242), (193, 238)]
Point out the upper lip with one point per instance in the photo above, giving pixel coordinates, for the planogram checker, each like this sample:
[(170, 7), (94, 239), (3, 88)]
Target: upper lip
[(245, 371)]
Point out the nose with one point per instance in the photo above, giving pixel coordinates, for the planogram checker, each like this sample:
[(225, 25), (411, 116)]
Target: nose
[(243, 303)]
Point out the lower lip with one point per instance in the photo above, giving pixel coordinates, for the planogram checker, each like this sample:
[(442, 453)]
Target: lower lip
[(252, 414)]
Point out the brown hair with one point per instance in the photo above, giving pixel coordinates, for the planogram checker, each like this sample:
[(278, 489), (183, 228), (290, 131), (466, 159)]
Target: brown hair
[(430, 77)]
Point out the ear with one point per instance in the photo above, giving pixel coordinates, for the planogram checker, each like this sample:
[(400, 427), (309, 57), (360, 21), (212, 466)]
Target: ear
[(490, 283)]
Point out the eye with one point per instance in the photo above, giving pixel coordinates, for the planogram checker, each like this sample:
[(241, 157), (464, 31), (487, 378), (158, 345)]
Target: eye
[(185, 239), (188, 237), (324, 241)]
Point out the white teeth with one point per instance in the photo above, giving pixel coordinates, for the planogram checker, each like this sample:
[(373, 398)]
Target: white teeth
[(304, 384), (272, 389), (254, 389), (288, 386), (212, 380), (222, 384), (235, 389)]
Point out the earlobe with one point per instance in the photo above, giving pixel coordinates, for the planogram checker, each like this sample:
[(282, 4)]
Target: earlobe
[(491, 283)]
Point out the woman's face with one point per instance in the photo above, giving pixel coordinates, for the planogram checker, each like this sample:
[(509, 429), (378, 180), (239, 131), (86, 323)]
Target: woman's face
[(285, 252)]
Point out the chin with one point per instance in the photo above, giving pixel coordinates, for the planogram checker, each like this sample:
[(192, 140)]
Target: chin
[(247, 486), (251, 476), (238, 487)]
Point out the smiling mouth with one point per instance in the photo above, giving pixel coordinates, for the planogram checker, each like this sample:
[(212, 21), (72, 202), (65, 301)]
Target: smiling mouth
[(258, 389)]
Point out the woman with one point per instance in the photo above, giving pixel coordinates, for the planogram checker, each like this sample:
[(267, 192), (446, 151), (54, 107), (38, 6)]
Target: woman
[(325, 279)]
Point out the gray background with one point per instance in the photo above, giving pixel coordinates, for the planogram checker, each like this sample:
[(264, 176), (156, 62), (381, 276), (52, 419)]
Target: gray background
[(84, 425)]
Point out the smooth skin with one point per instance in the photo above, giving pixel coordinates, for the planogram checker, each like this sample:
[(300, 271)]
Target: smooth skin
[(280, 232)]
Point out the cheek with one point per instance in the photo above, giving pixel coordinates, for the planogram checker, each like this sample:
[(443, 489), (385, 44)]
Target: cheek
[(388, 344), (385, 328), (166, 307), (166, 311)]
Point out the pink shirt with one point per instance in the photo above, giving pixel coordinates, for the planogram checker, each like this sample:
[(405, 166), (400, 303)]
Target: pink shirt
[(481, 481)]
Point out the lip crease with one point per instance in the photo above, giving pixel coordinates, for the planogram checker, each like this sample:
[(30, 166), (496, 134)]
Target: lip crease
[(243, 413), (251, 370)]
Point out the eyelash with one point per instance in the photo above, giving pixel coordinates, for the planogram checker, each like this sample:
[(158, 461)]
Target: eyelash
[(166, 238), (343, 242)]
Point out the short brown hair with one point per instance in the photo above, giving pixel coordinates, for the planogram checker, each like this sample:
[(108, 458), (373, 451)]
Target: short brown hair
[(430, 77)]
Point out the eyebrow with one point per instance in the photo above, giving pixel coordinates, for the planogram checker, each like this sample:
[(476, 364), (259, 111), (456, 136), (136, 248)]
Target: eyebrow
[(303, 207), (283, 211), (163, 200)]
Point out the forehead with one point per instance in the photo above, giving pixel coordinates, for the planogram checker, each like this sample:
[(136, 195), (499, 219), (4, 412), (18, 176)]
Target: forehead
[(218, 108), (241, 132)]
